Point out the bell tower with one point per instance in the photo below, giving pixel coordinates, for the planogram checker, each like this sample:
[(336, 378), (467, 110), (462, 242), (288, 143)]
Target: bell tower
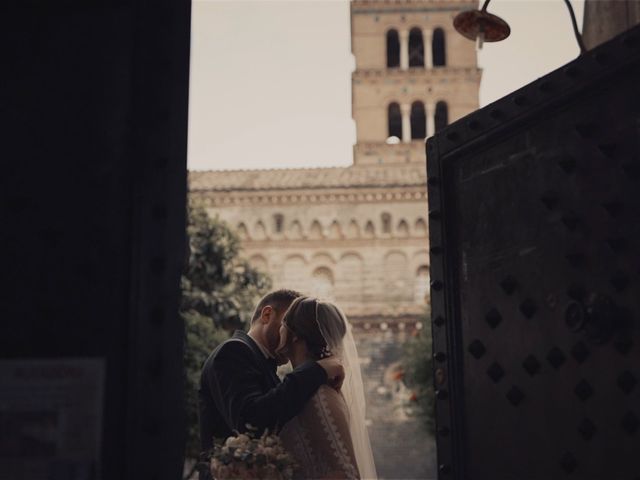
[(414, 75)]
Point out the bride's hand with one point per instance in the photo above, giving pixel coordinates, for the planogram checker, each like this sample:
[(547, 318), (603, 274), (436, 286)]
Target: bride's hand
[(335, 371)]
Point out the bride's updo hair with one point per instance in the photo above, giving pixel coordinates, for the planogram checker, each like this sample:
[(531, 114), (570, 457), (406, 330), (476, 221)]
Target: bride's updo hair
[(320, 324)]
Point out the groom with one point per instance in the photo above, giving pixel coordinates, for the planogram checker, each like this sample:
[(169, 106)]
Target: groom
[(239, 385)]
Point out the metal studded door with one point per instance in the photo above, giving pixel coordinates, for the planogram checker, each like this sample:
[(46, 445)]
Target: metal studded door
[(534, 208)]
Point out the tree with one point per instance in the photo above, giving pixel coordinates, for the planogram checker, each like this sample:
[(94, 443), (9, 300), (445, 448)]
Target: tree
[(219, 292), (418, 375)]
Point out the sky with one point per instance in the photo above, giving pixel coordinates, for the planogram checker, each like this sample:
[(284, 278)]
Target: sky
[(270, 83)]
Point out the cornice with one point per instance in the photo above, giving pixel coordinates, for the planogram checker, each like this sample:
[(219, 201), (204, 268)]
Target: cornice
[(402, 193), (426, 74), (380, 323), (367, 7), (281, 242), (412, 145), (313, 180)]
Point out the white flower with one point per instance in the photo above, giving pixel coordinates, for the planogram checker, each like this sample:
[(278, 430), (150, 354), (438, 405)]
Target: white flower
[(269, 451), (232, 442)]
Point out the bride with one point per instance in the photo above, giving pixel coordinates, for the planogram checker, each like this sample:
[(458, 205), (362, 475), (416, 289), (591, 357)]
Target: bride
[(329, 439)]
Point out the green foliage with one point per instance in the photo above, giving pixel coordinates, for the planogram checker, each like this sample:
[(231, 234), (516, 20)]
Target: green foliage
[(219, 292), (218, 283), (418, 368), (201, 337)]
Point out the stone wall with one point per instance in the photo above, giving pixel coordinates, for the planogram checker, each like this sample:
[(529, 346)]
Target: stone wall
[(370, 257)]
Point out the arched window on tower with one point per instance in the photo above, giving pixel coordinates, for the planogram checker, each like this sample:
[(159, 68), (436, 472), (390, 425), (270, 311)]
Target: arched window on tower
[(418, 121), (393, 49), (416, 48), (441, 116), (394, 117), (438, 48)]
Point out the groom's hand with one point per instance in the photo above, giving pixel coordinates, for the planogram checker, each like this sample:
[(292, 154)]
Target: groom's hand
[(335, 371)]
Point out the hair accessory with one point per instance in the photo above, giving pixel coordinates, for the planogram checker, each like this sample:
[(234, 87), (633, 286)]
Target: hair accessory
[(325, 352)]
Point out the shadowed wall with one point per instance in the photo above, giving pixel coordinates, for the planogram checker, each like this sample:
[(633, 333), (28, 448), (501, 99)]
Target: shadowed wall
[(94, 116)]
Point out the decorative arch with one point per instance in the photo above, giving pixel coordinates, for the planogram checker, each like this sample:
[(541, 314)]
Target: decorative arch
[(295, 231), (259, 263), (421, 285), (385, 219), (278, 223), (416, 48), (439, 48), (335, 231), (421, 227), (403, 228), (315, 232), (441, 116), (418, 121), (394, 120), (353, 229), (322, 282), (351, 254), (395, 274), (369, 230), (393, 48), (294, 271), (322, 258), (295, 257), (395, 254), (259, 231), (351, 278), (243, 232)]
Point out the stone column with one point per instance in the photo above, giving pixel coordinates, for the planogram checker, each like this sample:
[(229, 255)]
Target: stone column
[(430, 116), (404, 49), (427, 39), (405, 108)]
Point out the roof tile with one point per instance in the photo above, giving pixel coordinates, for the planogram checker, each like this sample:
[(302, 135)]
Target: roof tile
[(392, 175)]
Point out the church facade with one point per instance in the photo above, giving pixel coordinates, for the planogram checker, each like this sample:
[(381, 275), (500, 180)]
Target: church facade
[(358, 235)]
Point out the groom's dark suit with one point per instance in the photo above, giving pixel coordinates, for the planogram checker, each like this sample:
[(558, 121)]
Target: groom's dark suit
[(239, 386)]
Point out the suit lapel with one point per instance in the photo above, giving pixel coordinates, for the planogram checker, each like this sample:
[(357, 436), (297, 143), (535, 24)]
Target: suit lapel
[(259, 356)]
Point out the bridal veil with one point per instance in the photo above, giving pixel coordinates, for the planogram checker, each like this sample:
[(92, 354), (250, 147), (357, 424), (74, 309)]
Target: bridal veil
[(331, 322)]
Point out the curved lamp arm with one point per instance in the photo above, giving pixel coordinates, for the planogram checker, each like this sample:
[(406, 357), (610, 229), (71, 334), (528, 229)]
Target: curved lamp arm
[(483, 26)]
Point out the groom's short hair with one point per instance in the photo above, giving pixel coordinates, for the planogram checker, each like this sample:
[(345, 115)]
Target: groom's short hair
[(279, 299)]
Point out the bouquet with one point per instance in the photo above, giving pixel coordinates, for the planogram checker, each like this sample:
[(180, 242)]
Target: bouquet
[(246, 456)]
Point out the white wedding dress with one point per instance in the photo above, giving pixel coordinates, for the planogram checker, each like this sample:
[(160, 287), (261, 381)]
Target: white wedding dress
[(319, 438), (329, 438)]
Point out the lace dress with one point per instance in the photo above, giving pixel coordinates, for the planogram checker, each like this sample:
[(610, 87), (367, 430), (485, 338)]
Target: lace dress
[(319, 438)]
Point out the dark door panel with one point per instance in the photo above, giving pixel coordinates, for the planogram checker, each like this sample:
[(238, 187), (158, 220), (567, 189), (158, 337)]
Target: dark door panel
[(534, 221)]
